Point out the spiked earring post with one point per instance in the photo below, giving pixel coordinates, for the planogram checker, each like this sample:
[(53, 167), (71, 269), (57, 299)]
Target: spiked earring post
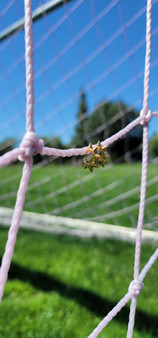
[(95, 156)]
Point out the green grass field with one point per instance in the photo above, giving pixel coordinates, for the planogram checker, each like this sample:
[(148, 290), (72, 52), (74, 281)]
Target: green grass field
[(71, 192), (62, 286)]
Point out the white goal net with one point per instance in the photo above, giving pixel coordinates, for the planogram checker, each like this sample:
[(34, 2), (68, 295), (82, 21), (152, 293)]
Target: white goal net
[(89, 84), (88, 80)]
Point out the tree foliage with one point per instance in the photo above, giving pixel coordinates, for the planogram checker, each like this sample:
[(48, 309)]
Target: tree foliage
[(80, 138), (7, 145), (153, 146), (106, 120)]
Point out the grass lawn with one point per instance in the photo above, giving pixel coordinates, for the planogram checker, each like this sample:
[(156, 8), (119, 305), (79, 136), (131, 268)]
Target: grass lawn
[(62, 286), (71, 192)]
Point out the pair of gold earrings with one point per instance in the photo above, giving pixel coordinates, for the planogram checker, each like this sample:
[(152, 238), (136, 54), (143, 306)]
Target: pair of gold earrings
[(95, 156)]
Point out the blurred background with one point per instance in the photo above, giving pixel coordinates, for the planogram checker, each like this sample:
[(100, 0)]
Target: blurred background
[(88, 80), (88, 70)]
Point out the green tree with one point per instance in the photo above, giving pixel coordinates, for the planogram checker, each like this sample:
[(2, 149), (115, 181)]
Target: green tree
[(109, 118), (7, 145), (153, 146), (80, 138), (53, 142)]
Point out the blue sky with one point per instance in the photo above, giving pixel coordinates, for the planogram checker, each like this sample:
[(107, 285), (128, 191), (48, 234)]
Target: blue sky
[(72, 51)]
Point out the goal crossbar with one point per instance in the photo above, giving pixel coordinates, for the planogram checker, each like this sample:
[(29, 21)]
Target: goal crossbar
[(37, 14)]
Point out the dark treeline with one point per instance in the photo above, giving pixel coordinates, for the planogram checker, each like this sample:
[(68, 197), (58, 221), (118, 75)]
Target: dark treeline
[(107, 119)]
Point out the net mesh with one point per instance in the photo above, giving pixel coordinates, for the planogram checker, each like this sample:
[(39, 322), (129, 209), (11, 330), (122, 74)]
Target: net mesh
[(93, 64), (72, 55)]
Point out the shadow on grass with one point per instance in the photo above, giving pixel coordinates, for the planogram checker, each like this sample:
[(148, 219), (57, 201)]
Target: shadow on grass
[(89, 299)]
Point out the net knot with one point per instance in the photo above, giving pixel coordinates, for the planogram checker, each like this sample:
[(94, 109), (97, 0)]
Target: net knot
[(31, 145), (136, 287), (146, 117)]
